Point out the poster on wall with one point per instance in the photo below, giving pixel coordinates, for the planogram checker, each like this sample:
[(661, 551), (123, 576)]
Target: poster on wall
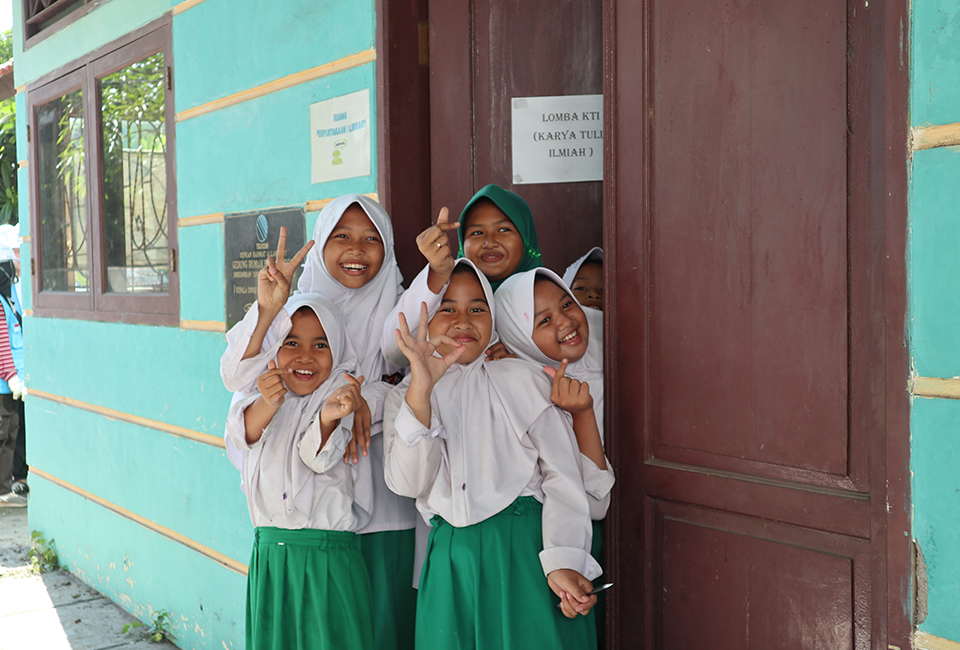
[(557, 139), (340, 137), (249, 238)]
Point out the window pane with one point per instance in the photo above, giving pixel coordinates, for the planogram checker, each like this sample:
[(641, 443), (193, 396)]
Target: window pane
[(134, 178), (63, 194)]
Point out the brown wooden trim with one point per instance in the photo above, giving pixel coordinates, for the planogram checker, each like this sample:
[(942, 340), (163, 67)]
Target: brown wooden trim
[(25, 239), (200, 220), (129, 318), (935, 387), (289, 81), (890, 474), (185, 5), (112, 414), (203, 325), (169, 533), (403, 123), (929, 137)]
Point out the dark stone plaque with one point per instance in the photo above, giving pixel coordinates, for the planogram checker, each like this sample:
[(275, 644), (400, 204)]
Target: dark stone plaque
[(249, 238)]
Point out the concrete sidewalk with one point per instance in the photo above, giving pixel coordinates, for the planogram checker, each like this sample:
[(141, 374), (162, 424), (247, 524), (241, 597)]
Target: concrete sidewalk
[(55, 610)]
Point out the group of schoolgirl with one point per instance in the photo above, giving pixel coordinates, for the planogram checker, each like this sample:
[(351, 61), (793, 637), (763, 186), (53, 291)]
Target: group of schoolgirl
[(446, 437)]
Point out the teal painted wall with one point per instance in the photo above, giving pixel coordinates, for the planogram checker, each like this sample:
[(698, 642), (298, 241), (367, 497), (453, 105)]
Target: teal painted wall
[(934, 309), (251, 156)]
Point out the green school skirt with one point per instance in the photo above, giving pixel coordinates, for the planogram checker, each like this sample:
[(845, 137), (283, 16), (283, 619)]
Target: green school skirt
[(389, 558), (307, 590), (482, 587)]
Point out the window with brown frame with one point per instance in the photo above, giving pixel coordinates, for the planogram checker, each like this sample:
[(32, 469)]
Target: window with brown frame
[(102, 189)]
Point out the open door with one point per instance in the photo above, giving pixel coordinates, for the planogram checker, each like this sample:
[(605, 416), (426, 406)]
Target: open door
[(754, 222), (755, 239)]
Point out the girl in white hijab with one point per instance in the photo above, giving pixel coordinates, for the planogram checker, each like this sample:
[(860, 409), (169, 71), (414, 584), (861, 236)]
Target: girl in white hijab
[(585, 279), (307, 583), (492, 464), (540, 321), (353, 266)]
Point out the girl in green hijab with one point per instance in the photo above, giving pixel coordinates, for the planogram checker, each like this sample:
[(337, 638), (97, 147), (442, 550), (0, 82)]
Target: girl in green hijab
[(497, 234)]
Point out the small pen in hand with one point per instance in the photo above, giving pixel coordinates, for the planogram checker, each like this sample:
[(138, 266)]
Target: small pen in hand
[(591, 593)]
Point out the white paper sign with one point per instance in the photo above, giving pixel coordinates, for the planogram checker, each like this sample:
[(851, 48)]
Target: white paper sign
[(340, 137), (557, 139)]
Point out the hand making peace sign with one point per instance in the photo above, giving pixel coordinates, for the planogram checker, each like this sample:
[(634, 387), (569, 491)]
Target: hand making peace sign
[(273, 280)]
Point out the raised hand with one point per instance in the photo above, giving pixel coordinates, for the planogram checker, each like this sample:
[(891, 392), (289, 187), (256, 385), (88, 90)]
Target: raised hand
[(270, 384), (435, 246), (273, 280), (569, 394), (344, 401), (426, 369)]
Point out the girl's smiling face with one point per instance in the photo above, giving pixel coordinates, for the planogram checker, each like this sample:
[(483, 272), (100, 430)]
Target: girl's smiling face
[(492, 241), (353, 254), (464, 316), (560, 327), (587, 286), (306, 352)]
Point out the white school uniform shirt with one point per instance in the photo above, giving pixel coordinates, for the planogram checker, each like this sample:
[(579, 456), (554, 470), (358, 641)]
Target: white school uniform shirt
[(364, 311), (515, 323), (492, 438), (288, 483)]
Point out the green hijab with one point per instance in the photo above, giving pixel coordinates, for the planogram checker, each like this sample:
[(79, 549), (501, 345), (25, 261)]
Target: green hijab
[(518, 211)]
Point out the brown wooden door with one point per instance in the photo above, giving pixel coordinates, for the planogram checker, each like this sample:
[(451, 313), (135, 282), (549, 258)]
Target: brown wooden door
[(756, 353), (753, 223)]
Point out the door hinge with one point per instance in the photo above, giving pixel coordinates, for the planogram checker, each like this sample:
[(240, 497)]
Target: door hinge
[(169, 78), (33, 266), (173, 260), (28, 133), (423, 43)]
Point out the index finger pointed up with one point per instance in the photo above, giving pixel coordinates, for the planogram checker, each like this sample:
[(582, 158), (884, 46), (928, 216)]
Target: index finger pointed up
[(561, 371), (295, 261), (443, 220)]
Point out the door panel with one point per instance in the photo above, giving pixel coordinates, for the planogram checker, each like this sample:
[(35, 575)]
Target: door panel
[(716, 569), (749, 185)]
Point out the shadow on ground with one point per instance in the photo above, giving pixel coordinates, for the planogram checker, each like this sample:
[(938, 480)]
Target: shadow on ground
[(55, 610)]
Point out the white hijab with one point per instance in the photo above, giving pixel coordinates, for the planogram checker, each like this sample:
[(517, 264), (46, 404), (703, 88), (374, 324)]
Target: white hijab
[(365, 309), (275, 469), (515, 321), (478, 402), (595, 254)]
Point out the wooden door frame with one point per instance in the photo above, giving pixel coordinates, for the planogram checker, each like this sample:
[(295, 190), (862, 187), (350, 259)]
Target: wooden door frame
[(627, 215)]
